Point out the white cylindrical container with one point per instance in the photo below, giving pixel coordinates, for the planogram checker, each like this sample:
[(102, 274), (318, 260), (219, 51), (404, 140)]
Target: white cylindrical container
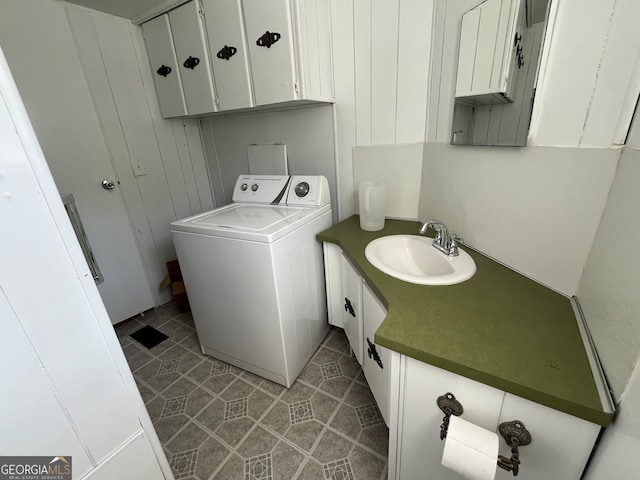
[(372, 201)]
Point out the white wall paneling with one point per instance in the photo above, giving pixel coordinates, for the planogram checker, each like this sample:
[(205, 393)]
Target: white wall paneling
[(588, 99), (414, 49), (362, 32), (531, 208), (342, 18), (384, 70)]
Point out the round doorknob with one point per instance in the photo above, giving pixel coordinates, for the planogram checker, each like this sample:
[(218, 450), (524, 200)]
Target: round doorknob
[(108, 184)]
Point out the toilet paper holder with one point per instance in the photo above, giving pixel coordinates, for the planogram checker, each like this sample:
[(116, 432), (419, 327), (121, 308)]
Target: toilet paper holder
[(514, 432)]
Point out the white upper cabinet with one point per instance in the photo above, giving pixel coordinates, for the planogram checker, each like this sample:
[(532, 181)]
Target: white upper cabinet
[(228, 53), (490, 51), (177, 49), (245, 53), (166, 74), (193, 58), (270, 39)]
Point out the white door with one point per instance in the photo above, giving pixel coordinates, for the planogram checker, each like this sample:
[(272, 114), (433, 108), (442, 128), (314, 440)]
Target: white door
[(36, 39)]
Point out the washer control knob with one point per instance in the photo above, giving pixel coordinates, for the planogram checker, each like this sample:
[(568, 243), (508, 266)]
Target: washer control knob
[(302, 189), (244, 187), (254, 187)]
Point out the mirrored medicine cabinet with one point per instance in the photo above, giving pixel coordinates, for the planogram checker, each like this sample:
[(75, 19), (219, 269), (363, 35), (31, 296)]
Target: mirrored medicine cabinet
[(500, 42)]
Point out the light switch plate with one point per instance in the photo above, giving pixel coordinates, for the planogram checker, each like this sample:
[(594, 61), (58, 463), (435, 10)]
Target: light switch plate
[(137, 165)]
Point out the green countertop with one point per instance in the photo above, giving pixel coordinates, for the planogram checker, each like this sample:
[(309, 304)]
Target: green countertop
[(499, 328)]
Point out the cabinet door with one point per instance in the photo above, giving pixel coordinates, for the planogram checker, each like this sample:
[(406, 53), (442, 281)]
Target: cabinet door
[(378, 374), (270, 41), (228, 53), (166, 74), (193, 59), (420, 448), (352, 290), (333, 283), (560, 443)]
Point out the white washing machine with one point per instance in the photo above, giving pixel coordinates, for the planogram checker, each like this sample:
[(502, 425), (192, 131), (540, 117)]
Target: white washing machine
[(254, 274)]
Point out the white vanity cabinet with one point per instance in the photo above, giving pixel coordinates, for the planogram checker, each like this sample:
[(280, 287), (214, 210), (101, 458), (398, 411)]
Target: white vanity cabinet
[(490, 52), (378, 362), (560, 446), (353, 313), (344, 297), (178, 38)]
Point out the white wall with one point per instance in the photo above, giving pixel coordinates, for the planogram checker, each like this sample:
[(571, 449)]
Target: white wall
[(535, 209), (307, 133), (610, 288)]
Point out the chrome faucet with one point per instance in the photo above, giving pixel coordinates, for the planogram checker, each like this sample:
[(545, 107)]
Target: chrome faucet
[(446, 242)]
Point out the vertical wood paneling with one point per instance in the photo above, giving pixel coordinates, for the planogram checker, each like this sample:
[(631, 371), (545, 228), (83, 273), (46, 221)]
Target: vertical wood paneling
[(362, 64), (184, 165), (211, 154), (414, 54), (616, 92), (384, 71), (199, 164), (342, 23), (562, 106)]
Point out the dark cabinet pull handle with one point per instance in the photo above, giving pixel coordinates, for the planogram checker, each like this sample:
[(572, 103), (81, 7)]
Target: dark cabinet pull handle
[(164, 70), (373, 353), (268, 39), (191, 62), (226, 52), (348, 307)]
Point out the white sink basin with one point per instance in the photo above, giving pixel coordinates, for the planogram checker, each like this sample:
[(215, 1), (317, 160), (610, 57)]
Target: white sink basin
[(413, 258)]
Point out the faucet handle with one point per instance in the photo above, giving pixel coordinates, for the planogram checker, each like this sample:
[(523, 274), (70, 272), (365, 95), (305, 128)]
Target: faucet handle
[(455, 239)]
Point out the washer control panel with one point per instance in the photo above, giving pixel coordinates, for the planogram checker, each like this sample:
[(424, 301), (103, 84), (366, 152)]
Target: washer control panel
[(300, 190)]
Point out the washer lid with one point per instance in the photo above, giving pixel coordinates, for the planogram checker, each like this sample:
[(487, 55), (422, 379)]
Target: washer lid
[(262, 223)]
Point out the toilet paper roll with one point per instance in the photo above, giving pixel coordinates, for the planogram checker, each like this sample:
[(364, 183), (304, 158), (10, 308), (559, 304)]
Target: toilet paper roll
[(470, 450)]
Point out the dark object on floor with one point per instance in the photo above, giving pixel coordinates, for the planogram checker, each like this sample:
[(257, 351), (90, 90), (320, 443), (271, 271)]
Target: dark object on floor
[(174, 279), (148, 336)]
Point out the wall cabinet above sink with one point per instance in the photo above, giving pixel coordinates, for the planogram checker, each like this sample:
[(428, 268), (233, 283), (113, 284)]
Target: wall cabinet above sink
[(267, 53), (490, 55)]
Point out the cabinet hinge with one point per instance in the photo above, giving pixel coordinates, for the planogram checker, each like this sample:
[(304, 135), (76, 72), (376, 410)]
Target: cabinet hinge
[(296, 88), (200, 10)]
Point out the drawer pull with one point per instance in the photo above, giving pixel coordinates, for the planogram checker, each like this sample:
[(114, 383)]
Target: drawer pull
[(267, 39), (348, 307), (191, 62), (373, 353), (164, 70), (226, 52)]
